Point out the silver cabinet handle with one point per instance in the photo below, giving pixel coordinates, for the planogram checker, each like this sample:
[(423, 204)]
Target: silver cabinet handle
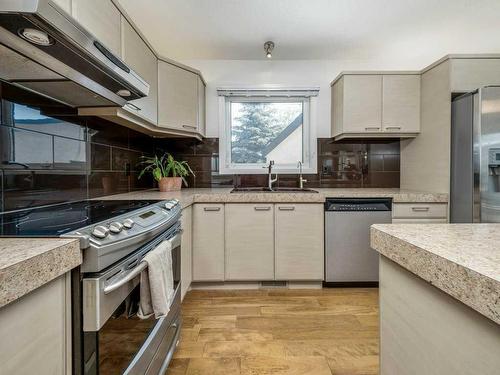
[(372, 128), (189, 127), (287, 208), (132, 106), (393, 127), (420, 209), (211, 208), (262, 208)]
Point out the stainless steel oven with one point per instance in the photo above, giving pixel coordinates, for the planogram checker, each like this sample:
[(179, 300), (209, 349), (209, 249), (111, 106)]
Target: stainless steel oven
[(115, 340), (114, 236)]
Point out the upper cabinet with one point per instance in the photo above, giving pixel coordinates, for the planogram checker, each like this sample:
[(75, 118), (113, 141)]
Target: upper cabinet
[(376, 105), (143, 61), (175, 104), (401, 103), (102, 19), (201, 107), (181, 98)]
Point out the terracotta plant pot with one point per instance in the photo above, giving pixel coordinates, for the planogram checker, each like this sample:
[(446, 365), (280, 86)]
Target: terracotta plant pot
[(170, 184)]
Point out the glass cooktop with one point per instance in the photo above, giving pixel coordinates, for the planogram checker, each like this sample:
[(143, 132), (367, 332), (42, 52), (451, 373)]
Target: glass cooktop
[(55, 220)]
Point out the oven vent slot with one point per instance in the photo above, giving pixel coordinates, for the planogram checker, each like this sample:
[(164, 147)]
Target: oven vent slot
[(273, 284)]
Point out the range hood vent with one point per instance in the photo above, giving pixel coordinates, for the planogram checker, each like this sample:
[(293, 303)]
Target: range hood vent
[(44, 50)]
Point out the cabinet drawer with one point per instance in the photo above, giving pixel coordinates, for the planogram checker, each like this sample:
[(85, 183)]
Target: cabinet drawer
[(419, 210), (419, 221)]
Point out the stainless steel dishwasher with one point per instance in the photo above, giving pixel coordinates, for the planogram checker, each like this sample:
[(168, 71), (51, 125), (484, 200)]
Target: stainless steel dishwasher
[(348, 256)]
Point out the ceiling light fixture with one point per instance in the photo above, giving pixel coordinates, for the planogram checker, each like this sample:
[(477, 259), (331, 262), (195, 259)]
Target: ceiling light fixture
[(268, 47)]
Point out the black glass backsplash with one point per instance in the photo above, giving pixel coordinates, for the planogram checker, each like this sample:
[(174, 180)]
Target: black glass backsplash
[(358, 164), (49, 155)]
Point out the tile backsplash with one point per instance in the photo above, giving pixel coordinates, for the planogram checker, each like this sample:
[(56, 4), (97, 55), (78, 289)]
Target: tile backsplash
[(48, 155), (363, 163)]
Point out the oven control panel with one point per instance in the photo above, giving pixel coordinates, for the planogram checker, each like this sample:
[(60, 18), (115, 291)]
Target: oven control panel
[(132, 223)]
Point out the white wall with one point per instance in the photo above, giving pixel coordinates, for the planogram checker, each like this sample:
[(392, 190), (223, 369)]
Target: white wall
[(289, 73)]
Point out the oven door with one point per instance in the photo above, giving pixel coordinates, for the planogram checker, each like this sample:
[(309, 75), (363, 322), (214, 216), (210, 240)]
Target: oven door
[(115, 340)]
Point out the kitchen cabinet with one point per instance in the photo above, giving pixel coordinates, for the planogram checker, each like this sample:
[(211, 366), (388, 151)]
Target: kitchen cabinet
[(36, 331), (142, 60), (208, 242), (299, 252), (249, 242), (186, 250), (423, 213), (376, 105), (201, 107), (178, 100), (102, 19), (362, 98), (64, 5), (401, 103)]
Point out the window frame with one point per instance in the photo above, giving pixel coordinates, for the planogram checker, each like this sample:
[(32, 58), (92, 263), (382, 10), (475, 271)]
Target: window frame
[(309, 143)]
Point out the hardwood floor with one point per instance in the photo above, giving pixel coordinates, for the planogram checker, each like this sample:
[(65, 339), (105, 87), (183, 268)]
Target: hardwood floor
[(293, 332)]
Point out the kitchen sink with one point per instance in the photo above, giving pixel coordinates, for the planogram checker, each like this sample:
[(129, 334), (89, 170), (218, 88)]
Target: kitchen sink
[(275, 190)]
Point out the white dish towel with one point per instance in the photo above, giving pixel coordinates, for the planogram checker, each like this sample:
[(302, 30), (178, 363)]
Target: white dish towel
[(157, 282)]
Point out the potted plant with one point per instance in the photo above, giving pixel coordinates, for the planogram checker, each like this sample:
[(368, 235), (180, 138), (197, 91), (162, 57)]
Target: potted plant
[(169, 172)]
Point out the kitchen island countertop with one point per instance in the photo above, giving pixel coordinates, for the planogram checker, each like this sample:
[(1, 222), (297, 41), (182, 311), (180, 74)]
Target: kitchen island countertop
[(462, 260)]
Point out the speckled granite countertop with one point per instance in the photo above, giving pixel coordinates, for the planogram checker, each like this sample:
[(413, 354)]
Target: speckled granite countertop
[(28, 263), (463, 260), (224, 195)]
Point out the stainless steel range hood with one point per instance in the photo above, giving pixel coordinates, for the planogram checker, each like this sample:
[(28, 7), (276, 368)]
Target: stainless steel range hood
[(44, 50)]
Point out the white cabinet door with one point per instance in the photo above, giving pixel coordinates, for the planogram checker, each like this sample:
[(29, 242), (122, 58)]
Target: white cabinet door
[(208, 242), (142, 60), (249, 241), (401, 103), (64, 4), (102, 19), (201, 107), (362, 111), (186, 250), (177, 97), (299, 242), (35, 331)]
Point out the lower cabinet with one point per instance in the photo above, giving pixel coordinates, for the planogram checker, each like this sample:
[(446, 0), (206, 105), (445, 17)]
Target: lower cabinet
[(249, 242), (208, 242), (35, 331), (186, 250), (299, 251), (258, 242)]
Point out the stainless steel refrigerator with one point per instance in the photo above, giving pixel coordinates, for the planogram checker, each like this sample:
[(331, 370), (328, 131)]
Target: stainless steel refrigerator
[(475, 157)]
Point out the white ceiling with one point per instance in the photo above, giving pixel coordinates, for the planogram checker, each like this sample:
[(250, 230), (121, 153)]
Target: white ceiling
[(316, 29)]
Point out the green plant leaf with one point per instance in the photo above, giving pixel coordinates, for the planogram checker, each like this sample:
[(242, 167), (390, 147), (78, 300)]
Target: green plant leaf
[(157, 174)]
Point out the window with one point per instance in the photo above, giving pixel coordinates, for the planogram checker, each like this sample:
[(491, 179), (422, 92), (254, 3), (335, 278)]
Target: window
[(256, 129)]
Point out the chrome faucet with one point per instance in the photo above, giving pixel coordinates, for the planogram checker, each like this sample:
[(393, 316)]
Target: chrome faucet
[(270, 179), (301, 180)]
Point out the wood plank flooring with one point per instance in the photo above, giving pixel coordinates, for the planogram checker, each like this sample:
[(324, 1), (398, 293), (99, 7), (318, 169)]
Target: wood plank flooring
[(292, 332)]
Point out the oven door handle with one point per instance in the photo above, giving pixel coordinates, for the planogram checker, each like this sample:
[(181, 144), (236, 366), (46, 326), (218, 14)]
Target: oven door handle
[(134, 272)]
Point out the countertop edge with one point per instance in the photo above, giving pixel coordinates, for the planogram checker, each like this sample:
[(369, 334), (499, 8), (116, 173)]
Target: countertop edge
[(470, 287), (24, 276)]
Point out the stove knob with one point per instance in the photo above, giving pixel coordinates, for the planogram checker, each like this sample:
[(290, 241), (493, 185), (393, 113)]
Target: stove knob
[(100, 231), (128, 223), (115, 227)]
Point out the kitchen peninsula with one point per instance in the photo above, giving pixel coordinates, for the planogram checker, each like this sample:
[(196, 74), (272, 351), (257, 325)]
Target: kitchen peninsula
[(439, 298)]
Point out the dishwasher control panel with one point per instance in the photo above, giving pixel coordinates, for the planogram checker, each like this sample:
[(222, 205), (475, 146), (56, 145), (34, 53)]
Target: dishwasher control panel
[(360, 204)]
